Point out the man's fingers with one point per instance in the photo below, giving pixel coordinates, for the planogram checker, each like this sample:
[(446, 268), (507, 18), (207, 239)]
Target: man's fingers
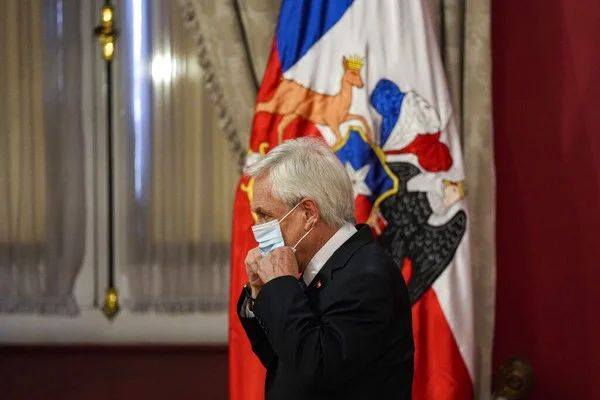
[(254, 266), (264, 267), (279, 262), (252, 259)]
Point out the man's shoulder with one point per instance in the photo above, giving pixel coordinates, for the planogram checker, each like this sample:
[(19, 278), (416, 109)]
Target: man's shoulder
[(371, 259)]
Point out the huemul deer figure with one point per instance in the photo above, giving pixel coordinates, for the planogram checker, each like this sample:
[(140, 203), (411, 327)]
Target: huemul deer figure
[(292, 100)]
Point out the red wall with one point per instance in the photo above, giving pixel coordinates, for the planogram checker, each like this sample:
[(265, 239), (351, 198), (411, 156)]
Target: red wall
[(546, 77), (113, 372)]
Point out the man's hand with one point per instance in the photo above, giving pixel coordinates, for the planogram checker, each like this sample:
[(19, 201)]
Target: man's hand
[(252, 259), (279, 262)]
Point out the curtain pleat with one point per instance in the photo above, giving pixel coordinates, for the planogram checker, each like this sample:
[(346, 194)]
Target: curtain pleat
[(232, 40), (42, 212), (463, 30)]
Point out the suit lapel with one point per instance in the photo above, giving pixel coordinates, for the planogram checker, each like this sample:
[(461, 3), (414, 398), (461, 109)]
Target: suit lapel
[(341, 256)]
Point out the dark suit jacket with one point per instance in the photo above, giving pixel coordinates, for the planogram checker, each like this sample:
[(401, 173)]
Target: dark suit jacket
[(347, 336)]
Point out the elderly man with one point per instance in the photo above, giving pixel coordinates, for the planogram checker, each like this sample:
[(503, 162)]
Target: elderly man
[(325, 308)]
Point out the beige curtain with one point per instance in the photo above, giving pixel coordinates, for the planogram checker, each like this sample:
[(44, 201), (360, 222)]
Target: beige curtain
[(232, 40), (463, 28), (42, 206), (175, 173)]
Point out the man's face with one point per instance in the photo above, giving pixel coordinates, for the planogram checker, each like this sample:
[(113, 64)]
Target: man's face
[(267, 208)]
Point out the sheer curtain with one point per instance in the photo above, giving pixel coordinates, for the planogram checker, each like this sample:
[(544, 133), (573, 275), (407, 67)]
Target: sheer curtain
[(42, 206), (176, 174)]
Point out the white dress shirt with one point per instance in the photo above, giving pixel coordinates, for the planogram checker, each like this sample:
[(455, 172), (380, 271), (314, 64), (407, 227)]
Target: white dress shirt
[(319, 259), (335, 242)]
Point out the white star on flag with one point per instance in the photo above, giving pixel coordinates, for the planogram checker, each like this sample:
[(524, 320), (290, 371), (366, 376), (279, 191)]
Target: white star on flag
[(358, 179)]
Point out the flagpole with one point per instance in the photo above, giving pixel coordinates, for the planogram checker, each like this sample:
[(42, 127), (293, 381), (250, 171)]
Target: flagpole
[(107, 36)]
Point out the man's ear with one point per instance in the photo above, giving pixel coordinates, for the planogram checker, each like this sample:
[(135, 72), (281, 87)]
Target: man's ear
[(311, 213)]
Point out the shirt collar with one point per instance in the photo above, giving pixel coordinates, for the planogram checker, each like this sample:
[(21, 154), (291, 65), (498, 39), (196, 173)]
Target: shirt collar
[(325, 252)]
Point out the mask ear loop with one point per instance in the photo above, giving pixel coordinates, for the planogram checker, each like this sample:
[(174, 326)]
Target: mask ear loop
[(289, 212), (303, 236)]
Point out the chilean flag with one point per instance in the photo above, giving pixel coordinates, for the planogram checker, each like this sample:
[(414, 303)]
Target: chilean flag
[(366, 77)]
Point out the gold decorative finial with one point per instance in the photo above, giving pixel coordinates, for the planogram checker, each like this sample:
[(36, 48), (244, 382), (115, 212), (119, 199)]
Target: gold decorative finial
[(106, 32), (111, 303), (354, 63)]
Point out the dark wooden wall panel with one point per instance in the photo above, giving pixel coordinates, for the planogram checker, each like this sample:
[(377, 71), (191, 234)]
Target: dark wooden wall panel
[(113, 372)]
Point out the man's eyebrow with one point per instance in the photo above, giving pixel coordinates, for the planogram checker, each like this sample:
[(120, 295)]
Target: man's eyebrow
[(260, 210)]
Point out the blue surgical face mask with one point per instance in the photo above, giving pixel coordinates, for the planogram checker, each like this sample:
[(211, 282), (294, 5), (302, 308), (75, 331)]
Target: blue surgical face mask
[(269, 236)]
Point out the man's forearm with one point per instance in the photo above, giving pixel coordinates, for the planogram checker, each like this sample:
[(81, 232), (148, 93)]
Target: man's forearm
[(255, 332)]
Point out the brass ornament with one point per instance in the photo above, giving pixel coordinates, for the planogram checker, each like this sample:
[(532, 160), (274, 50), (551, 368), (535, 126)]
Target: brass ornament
[(513, 380), (111, 303), (107, 33)]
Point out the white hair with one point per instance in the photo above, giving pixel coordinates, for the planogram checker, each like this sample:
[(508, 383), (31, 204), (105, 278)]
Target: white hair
[(307, 168)]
